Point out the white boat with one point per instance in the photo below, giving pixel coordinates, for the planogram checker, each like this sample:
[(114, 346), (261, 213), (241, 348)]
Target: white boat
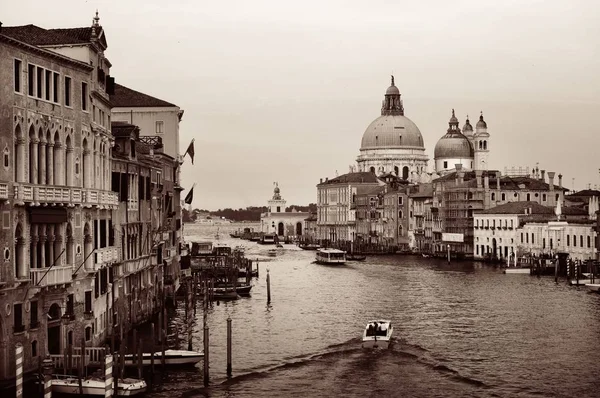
[(580, 282), (172, 357), (95, 386), (377, 334), (331, 256), (593, 287), (517, 270)]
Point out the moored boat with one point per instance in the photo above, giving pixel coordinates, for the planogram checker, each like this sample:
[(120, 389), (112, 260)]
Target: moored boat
[(242, 290), (172, 358), (272, 253), (331, 257), (593, 287), (355, 257), (377, 334), (517, 270), (94, 386), (310, 246)]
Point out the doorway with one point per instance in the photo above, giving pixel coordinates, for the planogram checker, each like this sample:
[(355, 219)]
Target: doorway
[(280, 229)]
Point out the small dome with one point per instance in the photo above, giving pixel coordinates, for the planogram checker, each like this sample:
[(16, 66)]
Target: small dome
[(467, 127), (392, 90), (453, 145), (276, 190), (392, 131), (481, 124)]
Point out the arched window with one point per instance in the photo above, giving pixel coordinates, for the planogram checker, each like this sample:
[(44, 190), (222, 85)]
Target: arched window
[(589, 241), (484, 145), (33, 149), (372, 169), (400, 230), (396, 170), (405, 173), (34, 348), (503, 196), (400, 214)]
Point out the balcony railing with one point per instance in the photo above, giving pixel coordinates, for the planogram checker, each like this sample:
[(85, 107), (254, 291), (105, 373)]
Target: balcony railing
[(127, 267), (3, 190), (58, 194), (104, 256), (54, 276)]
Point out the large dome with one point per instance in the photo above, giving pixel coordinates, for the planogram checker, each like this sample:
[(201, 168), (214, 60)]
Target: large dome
[(392, 131), (453, 145)]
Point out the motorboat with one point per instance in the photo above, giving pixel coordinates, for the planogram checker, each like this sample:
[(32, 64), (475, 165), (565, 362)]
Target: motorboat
[(268, 239), (221, 249), (172, 358), (331, 257), (377, 334), (94, 386), (517, 270), (593, 287), (202, 249), (241, 289), (355, 257), (309, 246), (279, 246), (272, 253)]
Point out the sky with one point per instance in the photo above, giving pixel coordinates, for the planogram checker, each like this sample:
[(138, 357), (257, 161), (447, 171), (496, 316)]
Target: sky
[(282, 91)]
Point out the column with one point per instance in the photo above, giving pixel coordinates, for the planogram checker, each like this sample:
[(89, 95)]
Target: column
[(50, 246), (21, 160), (42, 163), (33, 160), (50, 164), (68, 166), (58, 245), (33, 248), (88, 248), (42, 258), (58, 164), (87, 172), (21, 263)]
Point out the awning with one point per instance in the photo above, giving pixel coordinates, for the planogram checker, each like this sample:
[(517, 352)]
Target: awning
[(46, 215)]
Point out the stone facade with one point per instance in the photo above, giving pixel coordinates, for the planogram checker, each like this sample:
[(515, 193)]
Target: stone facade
[(280, 222)]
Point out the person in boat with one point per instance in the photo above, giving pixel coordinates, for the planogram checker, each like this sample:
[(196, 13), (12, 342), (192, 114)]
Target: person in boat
[(370, 330)]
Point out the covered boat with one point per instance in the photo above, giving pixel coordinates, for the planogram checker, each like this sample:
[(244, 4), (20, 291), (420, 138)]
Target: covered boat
[(377, 334), (172, 357), (331, 257)]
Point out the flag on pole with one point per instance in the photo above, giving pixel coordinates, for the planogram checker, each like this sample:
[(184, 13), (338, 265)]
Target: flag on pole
[(190, 151), (190, 196)]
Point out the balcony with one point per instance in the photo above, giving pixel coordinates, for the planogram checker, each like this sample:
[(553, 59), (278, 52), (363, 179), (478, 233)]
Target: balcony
[(3, 190), (127, 267), (54, 276), (105, 256), (67, 195)]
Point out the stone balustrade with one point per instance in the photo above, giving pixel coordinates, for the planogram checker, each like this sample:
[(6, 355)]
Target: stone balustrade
[(25, 192), (3, 190), (54, 276)]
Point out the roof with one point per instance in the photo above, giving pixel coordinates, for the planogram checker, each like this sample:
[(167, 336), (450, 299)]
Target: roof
[(125, 97), (392, 131), (426, 191), (506, 182), (536, 208), (37, 36), (584, 193), (374, 190), (354, 178)]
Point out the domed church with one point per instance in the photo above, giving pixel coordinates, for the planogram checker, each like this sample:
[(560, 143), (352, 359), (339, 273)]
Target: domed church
[(393, 143), (464, 148)]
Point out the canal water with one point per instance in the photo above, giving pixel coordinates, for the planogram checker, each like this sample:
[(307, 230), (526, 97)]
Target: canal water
[(460, 330)]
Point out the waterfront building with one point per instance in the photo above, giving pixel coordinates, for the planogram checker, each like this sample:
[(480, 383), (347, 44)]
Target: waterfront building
[(145, 224), (310, 226), (155, 117), (458, 195), (420, 230), (157, 132), (526, 227), (279, 221), (393, 143), (369, 210), (336, 204), (55, 192), (396, 231)]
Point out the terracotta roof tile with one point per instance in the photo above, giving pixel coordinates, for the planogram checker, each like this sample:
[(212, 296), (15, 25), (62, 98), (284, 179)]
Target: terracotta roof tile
[(359, 177), (127, 98), (37, 36)]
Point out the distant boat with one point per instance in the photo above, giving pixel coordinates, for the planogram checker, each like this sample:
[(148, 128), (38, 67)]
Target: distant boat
[(310, 246), (377, 334), (272, 253), (355, 257), (331, 257)]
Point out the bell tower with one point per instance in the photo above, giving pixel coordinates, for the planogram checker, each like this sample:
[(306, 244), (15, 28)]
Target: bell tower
[(481, 144), (276, 204)]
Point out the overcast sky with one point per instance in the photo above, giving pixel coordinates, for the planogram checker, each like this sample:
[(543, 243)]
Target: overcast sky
[(276, 90)]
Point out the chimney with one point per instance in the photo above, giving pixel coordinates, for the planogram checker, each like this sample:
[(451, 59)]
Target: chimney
[(461, 176), (498, 180), (551, 180), (321, 181), (478, 177), (326, 179), (486, 181), (543, 177), (560, 181)]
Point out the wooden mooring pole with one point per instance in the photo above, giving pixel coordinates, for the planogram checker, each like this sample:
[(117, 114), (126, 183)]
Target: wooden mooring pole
[(268, 287), (206, 337), (81, 366), (228, 347), (152, 343), (19, 357)]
